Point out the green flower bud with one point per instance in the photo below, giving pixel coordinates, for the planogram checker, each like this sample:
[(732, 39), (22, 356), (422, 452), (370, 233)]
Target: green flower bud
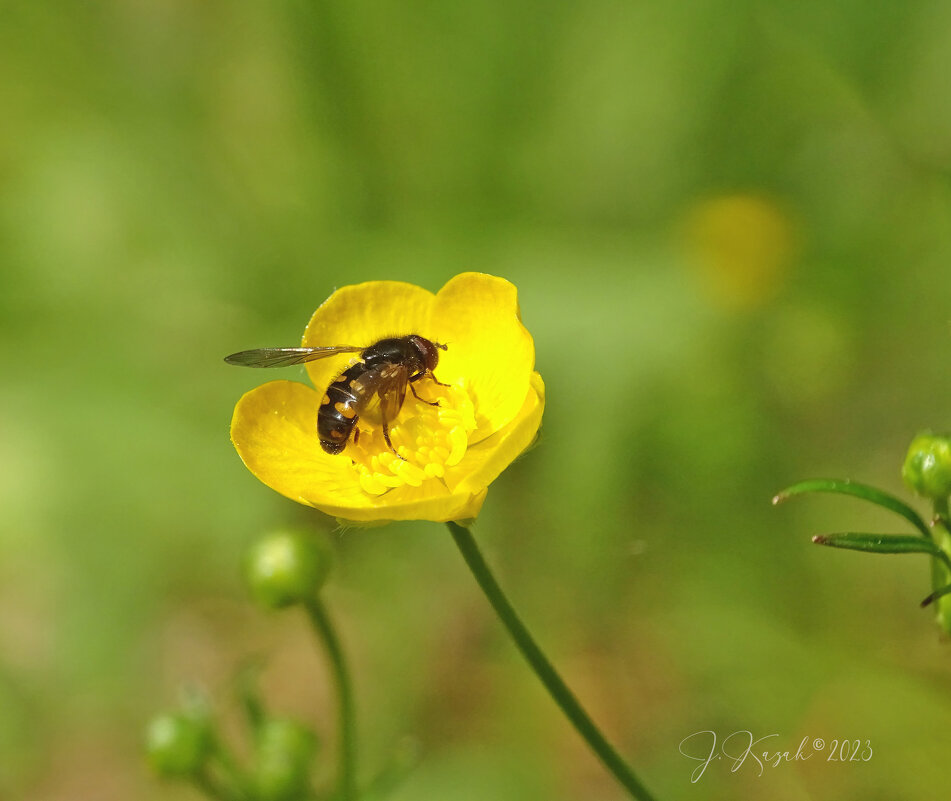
[(178, 744), (282, 760), (927, 468), (286, 568)]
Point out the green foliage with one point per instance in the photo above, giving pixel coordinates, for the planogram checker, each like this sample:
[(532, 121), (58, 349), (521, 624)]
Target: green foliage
[(927, 469), (189, 746)]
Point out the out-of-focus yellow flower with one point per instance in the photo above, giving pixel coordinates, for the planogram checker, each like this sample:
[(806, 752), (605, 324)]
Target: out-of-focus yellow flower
[(486, 417), (742, 246)]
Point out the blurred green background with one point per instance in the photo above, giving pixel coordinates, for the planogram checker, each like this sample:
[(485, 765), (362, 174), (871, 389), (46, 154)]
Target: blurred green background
[(730, 226)]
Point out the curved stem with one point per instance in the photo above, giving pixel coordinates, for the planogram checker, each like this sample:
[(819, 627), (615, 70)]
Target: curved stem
[(539, 663), (346, 746)]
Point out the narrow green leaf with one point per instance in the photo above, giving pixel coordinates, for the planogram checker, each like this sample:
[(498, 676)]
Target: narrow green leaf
[(945, 590), (881, 543), (856, 490)]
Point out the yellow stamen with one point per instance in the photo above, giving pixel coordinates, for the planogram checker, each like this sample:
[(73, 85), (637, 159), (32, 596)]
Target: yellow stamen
[(428, 438)]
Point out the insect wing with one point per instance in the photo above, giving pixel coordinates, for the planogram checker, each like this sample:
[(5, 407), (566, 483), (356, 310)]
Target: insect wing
[(381, 390), (285, 357), (394, 379)]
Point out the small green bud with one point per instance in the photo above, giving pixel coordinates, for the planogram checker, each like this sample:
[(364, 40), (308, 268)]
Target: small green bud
[(178, 744), (286, 568), (927, 468), (282, 760)]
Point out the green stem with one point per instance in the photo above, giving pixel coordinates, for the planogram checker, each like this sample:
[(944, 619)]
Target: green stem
[(940, 573), (213, 788), (346, 746), (941, 510), (225, 780), (539, 663), (250, 700)]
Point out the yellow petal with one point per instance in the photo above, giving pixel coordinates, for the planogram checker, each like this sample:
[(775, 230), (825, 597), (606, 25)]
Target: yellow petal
[(432, 501), (490, 352), (362, 314), (274, 431), (485, 461)]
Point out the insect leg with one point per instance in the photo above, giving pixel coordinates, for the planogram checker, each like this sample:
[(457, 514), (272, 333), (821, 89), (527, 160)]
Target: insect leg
[(386, 436), (431, 403), (391, 389), (436, 381)]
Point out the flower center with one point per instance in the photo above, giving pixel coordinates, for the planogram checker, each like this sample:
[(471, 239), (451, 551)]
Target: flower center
[(428, 438)]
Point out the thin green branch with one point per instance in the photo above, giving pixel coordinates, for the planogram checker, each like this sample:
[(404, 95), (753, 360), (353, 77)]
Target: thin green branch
[(346, 725), (856, 490), (539, 663)]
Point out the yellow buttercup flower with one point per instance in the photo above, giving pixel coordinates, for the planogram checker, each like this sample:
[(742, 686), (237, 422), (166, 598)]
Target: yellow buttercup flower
[(487, 414)]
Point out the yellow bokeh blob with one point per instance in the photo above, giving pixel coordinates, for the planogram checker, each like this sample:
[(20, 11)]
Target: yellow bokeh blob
[(742, 247)]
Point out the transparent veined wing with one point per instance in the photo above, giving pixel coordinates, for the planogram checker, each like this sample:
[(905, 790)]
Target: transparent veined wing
[(286, 357), (380, 391), (391, 390), (383, 389)]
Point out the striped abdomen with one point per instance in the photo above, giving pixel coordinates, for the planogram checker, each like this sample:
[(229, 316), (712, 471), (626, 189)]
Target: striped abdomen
[(339, 410)]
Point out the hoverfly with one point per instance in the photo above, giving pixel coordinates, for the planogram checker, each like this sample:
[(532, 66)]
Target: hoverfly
[(384, 371)]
